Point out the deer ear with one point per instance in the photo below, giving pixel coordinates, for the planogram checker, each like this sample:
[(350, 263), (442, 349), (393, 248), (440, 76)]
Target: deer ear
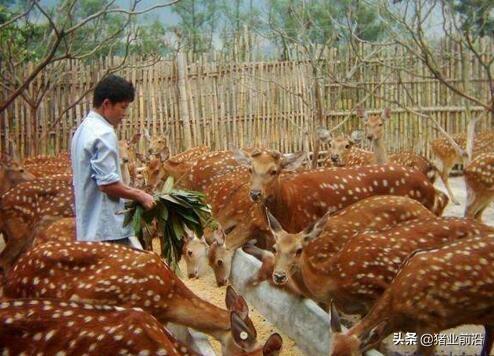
[(386, 114), (292, 161), (272, 346), (242, 158), (359, 110), (314, 230), (335, 320), (373, 336), (274, 225), (243, 331), (230, 297)]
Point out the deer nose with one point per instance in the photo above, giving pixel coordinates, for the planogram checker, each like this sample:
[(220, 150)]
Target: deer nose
[(255, 195), (222, 282), (125, 160), (335, 158), (279, 278), (370, 137), (192, 275)]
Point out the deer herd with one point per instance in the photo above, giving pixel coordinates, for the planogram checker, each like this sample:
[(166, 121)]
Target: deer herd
[(362, 234)]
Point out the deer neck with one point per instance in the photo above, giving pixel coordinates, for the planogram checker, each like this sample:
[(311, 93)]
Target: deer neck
[(279, 201), (380, 153)]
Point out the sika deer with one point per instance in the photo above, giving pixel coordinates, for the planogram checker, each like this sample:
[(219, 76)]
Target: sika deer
[(298, 256), (11, 174), (195, 253), (298, 199), (54, 327), (479, 180), (447, 156), (23, 206), (54, 228), (364, 267), (103, 273), (433, 290)]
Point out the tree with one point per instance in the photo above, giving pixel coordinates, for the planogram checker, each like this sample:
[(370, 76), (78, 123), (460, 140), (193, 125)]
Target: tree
[(74, 29)]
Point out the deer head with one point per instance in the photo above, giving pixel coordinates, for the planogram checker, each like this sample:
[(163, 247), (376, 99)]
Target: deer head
[(374, 124), (288, 248), (265, 168), (339, 148), (195, 252), (11, 174), (159, 147), (220, 258)]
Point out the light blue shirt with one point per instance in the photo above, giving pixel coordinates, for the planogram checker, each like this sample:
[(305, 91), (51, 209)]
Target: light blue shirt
[(95, 162)]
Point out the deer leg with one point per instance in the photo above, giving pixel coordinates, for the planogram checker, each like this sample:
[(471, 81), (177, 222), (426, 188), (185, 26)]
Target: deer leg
[(11, 252), (444, 173), (488, 340)]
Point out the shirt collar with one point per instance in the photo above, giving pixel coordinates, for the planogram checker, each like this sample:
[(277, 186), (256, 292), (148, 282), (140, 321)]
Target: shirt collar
[(93, 114)]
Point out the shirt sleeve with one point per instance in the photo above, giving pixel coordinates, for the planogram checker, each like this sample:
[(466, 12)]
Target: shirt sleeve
[(104, 160)]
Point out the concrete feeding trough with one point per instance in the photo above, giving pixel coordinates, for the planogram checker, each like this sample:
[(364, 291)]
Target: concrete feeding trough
[(301, 319)]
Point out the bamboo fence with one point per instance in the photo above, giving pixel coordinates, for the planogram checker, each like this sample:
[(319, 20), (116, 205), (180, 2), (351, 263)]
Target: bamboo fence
[(264, 103)]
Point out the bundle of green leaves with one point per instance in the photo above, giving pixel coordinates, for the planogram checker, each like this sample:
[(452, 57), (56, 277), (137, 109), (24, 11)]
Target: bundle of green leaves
[(174, 210)]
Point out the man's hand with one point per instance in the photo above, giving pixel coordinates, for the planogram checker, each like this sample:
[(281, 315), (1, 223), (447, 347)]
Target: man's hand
[(146, 200)]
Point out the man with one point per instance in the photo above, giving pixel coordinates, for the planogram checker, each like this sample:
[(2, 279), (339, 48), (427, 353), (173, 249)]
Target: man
[(98, 187)]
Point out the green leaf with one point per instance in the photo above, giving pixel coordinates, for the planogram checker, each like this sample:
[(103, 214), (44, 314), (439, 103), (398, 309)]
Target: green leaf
[(167, 187)]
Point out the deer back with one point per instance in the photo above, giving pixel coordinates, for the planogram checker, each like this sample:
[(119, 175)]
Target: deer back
[(50, 327)]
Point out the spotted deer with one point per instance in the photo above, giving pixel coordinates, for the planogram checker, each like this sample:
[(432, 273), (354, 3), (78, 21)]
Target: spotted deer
[(11, 174), (434, 290), (358, 274), (479, 180), (447, 156), (297, 255), (299, 199), (54, 327), (343, 153), (23, 206), (102, 273), (54, 228), (158, 147), (176, 166), (195, 254)]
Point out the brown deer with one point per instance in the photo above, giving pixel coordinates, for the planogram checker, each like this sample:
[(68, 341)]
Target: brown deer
[(176, 166), (11, 174), (102, 273), (54, 228), (357, 275), (158, 146), (343, 153), (433, 290), (23, 206), (195, 253), (54, 327), (299, 199), (479, 180), (297, 256), (447, 156)]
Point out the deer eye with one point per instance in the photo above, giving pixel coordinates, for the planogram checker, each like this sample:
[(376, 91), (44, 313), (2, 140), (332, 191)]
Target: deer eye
[(298, 252), (189, 253), (347, 147), (275, 250), (273, 172), (219, 263), (250, 170)]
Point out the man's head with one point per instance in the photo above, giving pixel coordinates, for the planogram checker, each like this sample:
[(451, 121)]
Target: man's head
[(112, 96)]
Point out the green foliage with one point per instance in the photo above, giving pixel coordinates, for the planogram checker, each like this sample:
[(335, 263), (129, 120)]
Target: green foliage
[(197, 24), (174, 211), (476, 16), (317, 21)]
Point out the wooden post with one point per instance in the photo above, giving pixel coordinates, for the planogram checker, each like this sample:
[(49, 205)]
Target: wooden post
[(183, 107)]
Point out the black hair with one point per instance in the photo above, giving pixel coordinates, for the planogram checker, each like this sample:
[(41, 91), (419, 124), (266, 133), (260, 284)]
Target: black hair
[(114, 88)]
